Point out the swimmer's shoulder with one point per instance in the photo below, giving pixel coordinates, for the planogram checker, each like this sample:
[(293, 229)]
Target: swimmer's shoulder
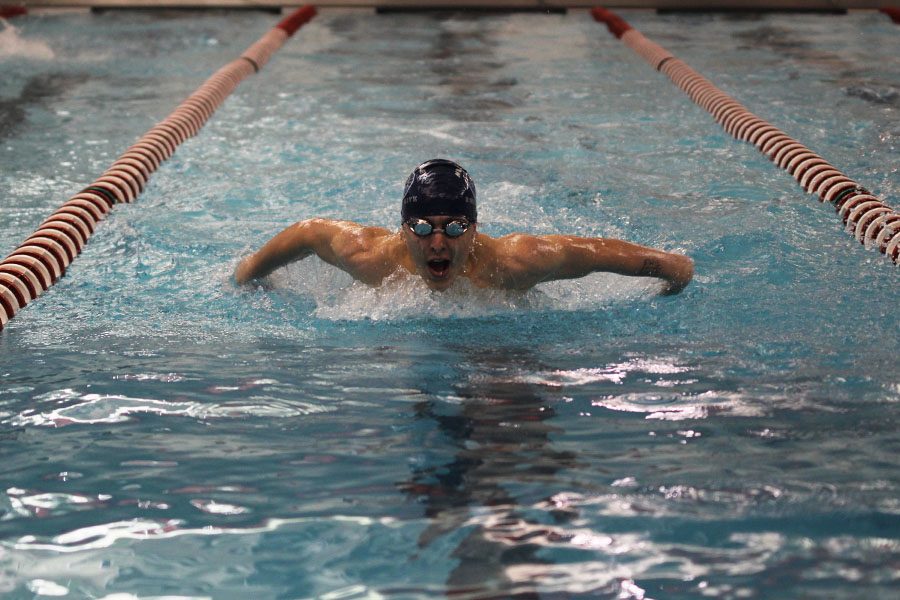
[(511, 247), (368, 253), (367, 241), (350, 233), (513, 261), (499, 262)]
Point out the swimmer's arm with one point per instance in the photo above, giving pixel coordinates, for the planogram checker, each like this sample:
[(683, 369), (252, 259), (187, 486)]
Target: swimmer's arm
[(566, 257), (340, 243)]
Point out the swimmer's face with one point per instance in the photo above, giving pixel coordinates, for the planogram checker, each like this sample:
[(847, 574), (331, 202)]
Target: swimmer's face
[(439, 258)]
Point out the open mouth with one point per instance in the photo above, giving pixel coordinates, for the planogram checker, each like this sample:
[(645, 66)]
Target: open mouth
[(439, 268)]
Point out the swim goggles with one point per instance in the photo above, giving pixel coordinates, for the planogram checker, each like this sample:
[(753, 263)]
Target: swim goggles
[(453, 229)]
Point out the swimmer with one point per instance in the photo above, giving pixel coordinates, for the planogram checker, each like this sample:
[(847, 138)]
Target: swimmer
[(439, 241)]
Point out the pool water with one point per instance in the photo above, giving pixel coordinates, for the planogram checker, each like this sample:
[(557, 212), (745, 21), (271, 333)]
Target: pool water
[(165, 433)]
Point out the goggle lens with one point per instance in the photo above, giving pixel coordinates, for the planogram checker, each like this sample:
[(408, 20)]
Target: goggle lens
[(423, 228)]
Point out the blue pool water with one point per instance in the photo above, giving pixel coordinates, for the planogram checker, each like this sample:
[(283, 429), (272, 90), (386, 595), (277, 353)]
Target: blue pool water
[(164, 433)]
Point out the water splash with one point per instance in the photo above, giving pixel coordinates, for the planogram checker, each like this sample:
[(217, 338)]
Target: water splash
[(13, 44), (402, 296)]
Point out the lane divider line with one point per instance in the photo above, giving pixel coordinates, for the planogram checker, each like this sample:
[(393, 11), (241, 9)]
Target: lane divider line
[(43, 257), (893, 12), (866, 217), (8, 12)]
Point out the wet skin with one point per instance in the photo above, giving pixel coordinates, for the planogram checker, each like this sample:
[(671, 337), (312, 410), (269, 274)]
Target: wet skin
[(515, 261), (438, 258)]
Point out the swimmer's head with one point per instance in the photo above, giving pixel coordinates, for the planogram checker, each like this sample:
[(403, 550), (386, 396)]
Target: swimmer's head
[(439, 187)]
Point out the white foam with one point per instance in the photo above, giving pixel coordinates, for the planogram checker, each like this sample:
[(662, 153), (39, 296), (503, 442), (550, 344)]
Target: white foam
[(13, 44), (402, 296), (89, 409)]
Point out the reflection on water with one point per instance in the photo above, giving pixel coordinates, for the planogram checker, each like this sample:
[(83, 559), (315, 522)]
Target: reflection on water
[(456, 71), (90, 409), (502, 439), (439, 469), (38, 92)]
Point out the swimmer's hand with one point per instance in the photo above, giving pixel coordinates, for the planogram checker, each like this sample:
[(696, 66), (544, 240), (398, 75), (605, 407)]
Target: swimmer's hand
[(246, 271), (678, 271)]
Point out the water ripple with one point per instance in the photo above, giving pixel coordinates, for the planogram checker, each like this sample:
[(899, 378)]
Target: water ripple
[(92, 409), (23, 504), (614, 372), (107, 534)]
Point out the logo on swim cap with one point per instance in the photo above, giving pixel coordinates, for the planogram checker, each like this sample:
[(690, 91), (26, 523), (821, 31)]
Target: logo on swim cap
[(439, 187)]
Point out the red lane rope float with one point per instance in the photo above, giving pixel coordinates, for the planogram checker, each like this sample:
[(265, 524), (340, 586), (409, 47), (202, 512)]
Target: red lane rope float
[(44, 256), (8, 12), (893, 13), (867, 218)]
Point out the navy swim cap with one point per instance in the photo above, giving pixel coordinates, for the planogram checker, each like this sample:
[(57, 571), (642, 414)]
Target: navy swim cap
[(439, 187)]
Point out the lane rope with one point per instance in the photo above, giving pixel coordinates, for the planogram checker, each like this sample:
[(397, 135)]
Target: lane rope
[(8, 12), (893, 12), (44, 256), (871, 221)]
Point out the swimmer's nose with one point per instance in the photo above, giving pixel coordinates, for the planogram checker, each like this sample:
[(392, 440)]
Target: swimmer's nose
[(438, 240)]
